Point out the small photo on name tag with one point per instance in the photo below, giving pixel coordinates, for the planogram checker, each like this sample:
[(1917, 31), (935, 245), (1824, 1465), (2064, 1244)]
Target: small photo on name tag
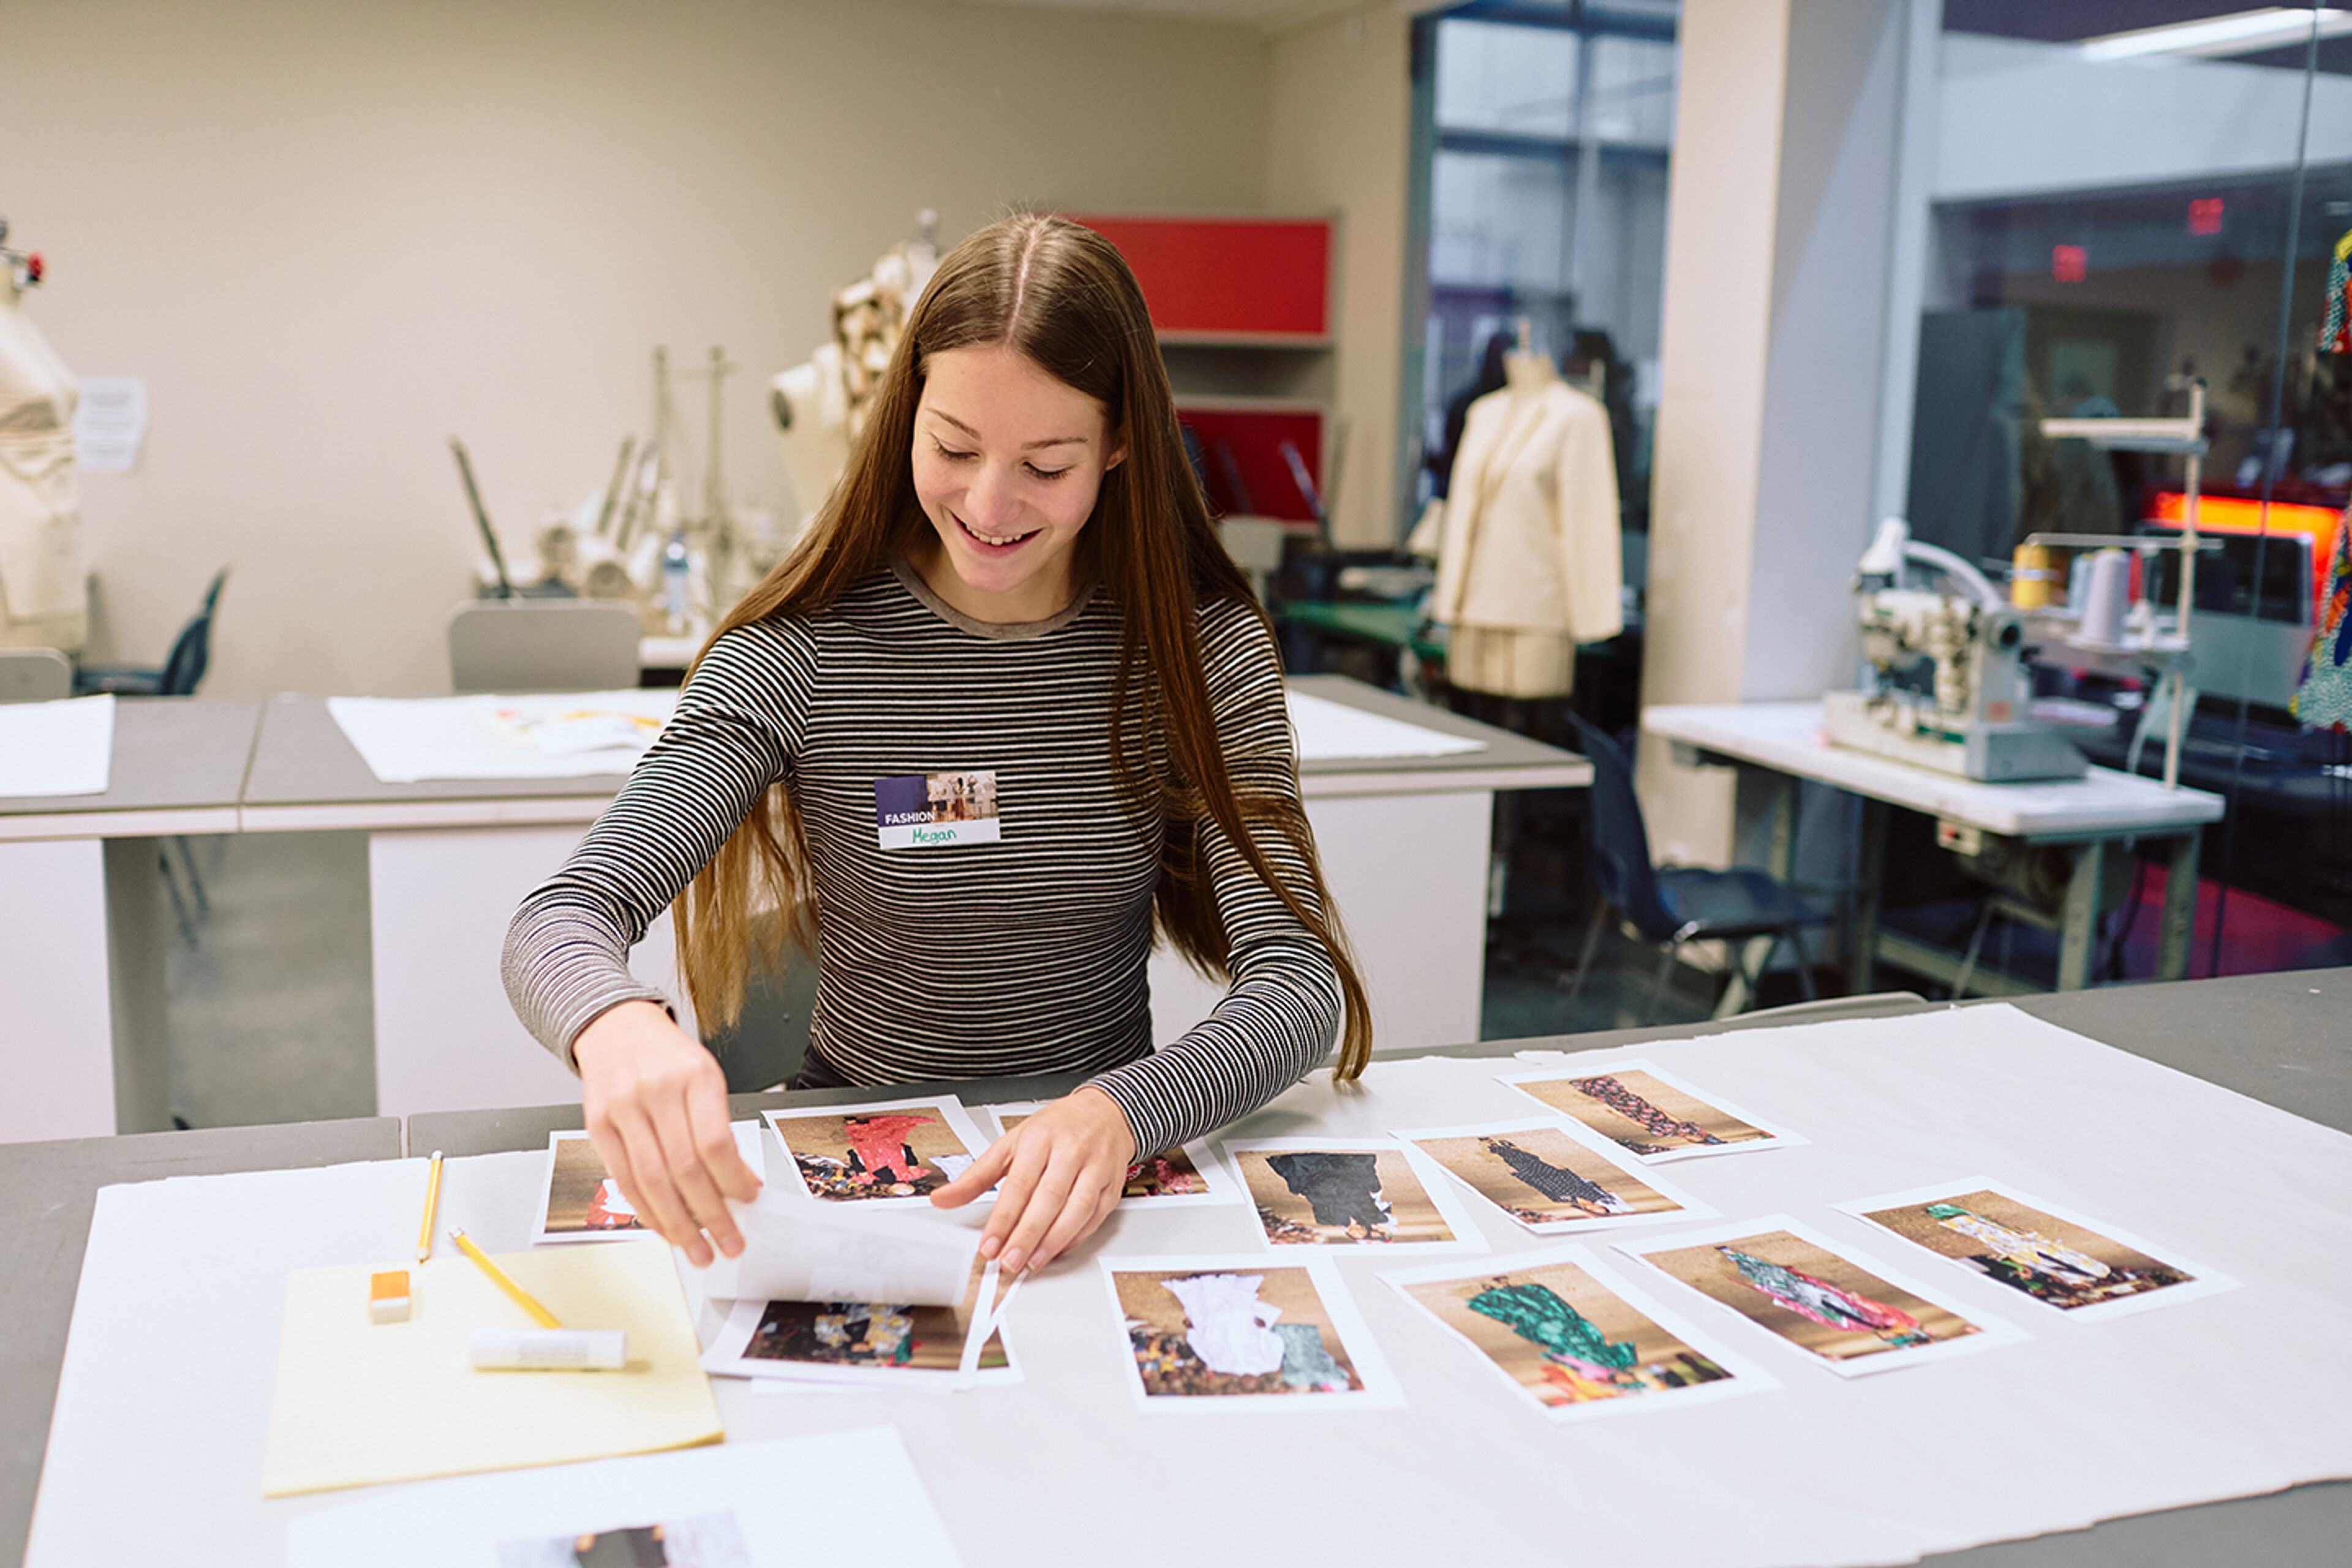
[(918, 810)]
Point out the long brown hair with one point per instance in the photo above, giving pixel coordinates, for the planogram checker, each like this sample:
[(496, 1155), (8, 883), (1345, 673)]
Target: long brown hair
[(1063, 296)]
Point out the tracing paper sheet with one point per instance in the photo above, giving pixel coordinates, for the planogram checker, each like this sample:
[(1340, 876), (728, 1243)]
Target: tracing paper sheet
[(2236, 1394), (786, 1501), (564, 735), (1329, 731)]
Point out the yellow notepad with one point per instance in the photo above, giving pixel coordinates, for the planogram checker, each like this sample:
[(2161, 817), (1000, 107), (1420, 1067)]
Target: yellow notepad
[(359, 1402)]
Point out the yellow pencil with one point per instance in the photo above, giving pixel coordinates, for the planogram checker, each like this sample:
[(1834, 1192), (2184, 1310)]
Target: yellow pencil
[(432, 1202), (522, 1297)]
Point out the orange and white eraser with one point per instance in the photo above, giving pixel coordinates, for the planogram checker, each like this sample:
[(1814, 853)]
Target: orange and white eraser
[(388, 1296)]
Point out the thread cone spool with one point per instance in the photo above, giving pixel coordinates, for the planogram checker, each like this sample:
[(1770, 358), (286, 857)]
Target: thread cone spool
[(2078, 582), (2030, 577), (2107, 599)]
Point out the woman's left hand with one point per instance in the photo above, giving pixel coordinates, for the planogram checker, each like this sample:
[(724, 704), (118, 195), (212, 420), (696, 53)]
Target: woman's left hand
[(1059, 1175)]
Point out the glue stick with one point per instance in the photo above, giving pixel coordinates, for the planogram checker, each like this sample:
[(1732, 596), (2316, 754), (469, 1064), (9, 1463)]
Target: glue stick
[(548, 1349)]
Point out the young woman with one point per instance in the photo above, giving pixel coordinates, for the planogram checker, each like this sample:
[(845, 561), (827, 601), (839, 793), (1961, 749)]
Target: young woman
[(1007, 704)]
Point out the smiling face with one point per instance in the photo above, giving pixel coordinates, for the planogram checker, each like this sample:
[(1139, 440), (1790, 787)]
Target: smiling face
[(1008, 462)]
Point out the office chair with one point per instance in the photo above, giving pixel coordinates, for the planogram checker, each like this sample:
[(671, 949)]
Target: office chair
[(33, 674), (1679, 905), (514, 646), (182, 669)]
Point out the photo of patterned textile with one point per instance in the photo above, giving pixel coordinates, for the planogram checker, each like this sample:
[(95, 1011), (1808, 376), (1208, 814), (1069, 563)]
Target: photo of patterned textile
[(1573, 1337), (2071, 1265), (865, 1341), (1550, 1180), (1312, 1192), (1824, 1299), (1182, 1173), (903, 1151), (1646, 1111), (708, 1540), (1242, 1333), (861, 1333)]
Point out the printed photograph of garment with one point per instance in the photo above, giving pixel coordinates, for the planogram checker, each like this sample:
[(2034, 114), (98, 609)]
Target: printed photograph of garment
[(1339, 1196), (1640, 1114), (1823, 1302), (886, 1154), (1267, 1332), (1810, 1297), (2059, 1263), (708, 1540), (1541, 1176), (1169, 1174), (582, 1199), (1563, 1336), (871, 1334)]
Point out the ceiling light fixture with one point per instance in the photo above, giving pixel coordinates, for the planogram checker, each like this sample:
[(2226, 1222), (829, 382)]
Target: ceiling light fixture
[(2239, 33)]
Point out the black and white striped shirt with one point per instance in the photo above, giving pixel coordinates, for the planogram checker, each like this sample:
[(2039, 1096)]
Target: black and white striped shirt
[(966, 959)]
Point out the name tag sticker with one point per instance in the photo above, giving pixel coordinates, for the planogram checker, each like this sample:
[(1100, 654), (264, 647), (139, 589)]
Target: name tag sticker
[(922, 809)]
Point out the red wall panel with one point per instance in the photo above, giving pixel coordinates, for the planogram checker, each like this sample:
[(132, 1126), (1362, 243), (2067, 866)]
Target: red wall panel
[(1228, 277)]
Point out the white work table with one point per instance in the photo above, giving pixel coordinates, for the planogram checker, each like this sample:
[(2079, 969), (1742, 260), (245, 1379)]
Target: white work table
[(1405, 842), (2080, 1422), (81, 961), (1785, 739)]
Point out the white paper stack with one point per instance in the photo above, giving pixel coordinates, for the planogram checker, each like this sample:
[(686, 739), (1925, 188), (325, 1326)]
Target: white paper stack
[(56, 748)]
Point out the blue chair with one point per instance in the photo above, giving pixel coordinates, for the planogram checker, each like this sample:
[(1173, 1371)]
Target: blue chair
[(183, 668), (1673, 907), (182, 671)]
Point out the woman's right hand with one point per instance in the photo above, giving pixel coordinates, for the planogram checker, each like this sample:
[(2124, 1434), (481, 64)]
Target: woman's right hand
[(657, 1107)]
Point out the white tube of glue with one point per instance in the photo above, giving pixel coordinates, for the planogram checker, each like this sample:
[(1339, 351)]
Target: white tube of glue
[(548, 1349)]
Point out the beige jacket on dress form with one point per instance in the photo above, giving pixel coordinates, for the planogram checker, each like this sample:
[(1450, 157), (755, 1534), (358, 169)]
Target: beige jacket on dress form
[(1531, 538)]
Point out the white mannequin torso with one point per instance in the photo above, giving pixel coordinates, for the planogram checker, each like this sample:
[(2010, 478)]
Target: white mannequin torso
[(43, 569), (816, 436)]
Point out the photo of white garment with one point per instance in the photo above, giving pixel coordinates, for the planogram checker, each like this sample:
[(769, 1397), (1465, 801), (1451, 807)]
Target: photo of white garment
[(1231, 1329), (2028, 1249)]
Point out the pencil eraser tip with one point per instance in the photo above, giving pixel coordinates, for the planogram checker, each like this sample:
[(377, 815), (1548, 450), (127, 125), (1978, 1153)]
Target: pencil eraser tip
[(388, 1296)]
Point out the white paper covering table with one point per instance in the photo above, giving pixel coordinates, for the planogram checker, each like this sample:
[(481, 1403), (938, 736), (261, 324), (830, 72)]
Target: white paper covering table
[(81, 957), (1405, 843), (2084, 815), (2229, 1396)]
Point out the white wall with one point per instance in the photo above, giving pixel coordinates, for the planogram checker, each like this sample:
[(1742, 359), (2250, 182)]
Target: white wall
[(1783, 219), (329, 237), (1339, 131), (1722, 197)]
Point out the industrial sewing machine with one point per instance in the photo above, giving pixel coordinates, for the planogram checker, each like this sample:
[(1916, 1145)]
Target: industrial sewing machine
[(1974, 716)]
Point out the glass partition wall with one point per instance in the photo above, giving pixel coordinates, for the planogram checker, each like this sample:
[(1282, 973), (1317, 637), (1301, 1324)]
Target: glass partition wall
[(2137, 208), (1547, 134)]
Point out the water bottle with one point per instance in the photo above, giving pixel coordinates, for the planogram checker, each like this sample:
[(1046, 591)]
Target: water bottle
[(675, 573)]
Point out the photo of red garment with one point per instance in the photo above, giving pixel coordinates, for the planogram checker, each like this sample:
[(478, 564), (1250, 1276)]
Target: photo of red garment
[(878, 1150)]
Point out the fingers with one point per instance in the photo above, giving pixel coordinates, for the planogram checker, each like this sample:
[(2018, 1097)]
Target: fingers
[(983, 1174), (656, 1110), (688, 1157), (1026, 1167), (1081, 1212)]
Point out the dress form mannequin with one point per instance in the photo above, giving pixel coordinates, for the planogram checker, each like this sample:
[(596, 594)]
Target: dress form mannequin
[(812, 410), (1529, 564), (44, 570), (821, 403)]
